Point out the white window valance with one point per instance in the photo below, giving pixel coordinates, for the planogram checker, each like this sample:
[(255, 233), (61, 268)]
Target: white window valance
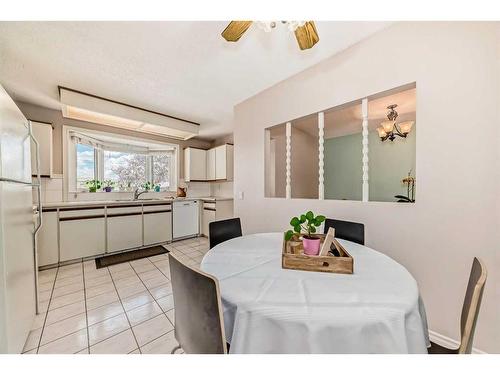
[(100, 144)]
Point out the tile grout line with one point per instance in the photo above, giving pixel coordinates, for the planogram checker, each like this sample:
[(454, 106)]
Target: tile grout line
[(86, 312), (47, 311), (123, 307), (76, 291), (154, 299)]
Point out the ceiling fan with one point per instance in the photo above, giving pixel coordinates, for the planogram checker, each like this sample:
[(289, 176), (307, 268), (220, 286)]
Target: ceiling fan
[(305, 31)]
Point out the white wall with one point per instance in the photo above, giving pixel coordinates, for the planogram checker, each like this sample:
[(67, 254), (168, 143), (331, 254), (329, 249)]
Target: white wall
[(456, 68)]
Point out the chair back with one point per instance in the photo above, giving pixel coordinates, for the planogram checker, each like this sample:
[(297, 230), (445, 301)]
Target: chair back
[(199, 326), (223, 230), (347, 230), (472, 303)]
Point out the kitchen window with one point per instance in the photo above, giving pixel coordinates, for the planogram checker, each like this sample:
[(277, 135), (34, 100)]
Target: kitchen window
[(85, 162), (128, 164)]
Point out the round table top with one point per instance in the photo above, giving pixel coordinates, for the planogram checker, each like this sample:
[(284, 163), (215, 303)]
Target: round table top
[(379, 303)]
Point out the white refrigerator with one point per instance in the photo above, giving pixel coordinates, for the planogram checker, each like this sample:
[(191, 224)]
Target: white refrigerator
[(18, 278)]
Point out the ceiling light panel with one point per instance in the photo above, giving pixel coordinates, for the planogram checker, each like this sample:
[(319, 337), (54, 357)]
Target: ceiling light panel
[(87, 107)]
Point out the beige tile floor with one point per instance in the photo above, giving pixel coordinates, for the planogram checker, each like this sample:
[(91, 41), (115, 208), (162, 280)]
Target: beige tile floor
[(125, 308)]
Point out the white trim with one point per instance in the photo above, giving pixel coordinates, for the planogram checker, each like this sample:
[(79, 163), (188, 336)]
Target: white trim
[(288, 160), (449, 342), (321, 149)]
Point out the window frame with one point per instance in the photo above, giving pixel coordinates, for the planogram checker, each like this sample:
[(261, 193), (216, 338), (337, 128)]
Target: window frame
[(70, 185)]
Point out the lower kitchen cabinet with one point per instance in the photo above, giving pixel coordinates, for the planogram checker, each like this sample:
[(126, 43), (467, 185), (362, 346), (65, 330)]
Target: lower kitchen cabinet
[(47, 246), (215, 211), (124, 231), (157, 227), (81, 238)]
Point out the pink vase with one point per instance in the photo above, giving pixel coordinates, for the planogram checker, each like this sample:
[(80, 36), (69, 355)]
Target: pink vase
[(311, 245)]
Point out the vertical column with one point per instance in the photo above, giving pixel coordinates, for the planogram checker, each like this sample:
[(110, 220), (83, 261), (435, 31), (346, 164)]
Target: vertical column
[(288, 159), (321, 149), (364, 114)]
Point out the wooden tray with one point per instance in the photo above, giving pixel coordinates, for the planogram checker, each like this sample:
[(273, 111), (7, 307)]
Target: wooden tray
[(293, 257)]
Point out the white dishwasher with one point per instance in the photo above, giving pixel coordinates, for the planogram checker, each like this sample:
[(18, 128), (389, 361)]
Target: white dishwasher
[(186, 219)]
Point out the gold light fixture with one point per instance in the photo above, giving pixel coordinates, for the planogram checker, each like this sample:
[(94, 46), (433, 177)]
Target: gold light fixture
[(305, 31), (390, 129)]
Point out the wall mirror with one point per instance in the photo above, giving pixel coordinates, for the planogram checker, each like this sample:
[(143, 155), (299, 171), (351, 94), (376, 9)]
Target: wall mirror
[(364, 150)]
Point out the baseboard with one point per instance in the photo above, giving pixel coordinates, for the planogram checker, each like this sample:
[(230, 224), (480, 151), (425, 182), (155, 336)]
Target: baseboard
[(448, 342)]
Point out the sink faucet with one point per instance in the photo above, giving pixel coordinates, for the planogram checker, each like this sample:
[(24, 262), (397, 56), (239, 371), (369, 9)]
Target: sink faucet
[(137, 194)]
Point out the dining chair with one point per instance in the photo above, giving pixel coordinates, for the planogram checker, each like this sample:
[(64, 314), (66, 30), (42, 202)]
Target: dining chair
[(470, 311), (199, 323), (347, 230), (223, 230)]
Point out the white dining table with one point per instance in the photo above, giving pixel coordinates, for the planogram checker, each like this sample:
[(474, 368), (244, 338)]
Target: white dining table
[(268, 309)]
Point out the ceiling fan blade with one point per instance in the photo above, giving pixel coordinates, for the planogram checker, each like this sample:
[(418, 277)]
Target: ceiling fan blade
[(235, 29), (306, 35)]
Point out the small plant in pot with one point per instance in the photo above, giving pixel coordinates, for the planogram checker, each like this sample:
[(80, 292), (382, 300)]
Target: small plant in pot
[(108, 186), (308, 223), (93, 185)]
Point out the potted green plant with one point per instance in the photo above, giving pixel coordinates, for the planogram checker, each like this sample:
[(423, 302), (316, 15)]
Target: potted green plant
[(147, 186), (108, 186), (93, 185), (308, 223)]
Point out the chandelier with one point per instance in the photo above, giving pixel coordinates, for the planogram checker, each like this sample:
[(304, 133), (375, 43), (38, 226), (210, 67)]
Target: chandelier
[(390, 129)]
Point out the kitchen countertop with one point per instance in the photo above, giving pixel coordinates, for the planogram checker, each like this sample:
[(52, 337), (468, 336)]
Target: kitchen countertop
[(129, 202)]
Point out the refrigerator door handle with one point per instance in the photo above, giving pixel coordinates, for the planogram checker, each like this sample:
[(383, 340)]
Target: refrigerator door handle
[(39, 209)]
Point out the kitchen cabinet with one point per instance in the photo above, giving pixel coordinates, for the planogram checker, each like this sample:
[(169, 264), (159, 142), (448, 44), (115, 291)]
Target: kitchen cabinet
[(211, 164), (43, 134), (124, 228), (195, 164), (215, 211), (157, 224), (47, 246), (224, 162), (72, 233), (81, 233)]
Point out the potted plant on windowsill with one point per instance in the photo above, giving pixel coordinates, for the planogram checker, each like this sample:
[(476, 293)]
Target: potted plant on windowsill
[(93, 185), (308, 223), (108, 186)]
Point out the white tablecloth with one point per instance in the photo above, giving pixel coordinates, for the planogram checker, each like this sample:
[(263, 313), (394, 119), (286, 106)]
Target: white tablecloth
[(268, 309)]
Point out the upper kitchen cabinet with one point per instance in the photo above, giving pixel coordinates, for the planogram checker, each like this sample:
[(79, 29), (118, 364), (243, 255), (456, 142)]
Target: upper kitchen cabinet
[(43, 134), (208, 165), (211, 164), (195, 164), (224, 162)]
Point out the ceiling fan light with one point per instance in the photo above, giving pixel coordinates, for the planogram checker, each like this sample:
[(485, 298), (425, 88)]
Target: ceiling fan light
[(406, 126), (388, 126), (381, 132)]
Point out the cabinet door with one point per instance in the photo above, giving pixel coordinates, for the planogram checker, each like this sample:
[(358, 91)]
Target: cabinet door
[(124, 231), (220, 163), (195, 164), (208, 217), (211, 164), (157, 227), (43, 134), (47, 246), (81, 238)]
